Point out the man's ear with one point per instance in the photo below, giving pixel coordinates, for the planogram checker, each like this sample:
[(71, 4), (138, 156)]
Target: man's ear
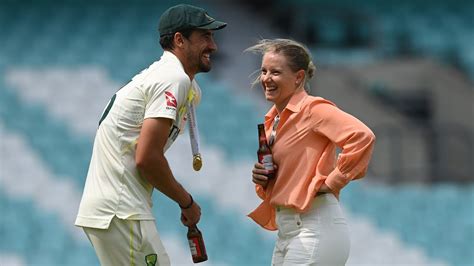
[(178, 39)]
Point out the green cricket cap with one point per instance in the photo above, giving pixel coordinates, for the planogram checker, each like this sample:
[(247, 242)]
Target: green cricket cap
[(184, 17)]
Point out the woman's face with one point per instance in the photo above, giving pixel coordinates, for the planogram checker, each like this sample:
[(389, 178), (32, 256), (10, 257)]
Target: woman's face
[(278, 81)]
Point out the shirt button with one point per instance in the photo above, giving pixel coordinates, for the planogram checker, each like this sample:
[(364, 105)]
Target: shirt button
[(298, 223)]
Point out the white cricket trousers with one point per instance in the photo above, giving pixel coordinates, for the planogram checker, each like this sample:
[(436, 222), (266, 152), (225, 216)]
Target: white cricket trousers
[(128, 243), (318, 237)]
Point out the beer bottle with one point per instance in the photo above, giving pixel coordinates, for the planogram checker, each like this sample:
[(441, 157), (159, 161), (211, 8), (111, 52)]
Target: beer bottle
[(196, 244), (264, 152)]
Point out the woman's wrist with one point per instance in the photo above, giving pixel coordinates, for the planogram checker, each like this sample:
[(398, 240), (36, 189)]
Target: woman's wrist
[(189, 205), (325, 188)]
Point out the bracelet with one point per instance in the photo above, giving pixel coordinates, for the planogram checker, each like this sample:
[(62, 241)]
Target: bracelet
[(189, 205)]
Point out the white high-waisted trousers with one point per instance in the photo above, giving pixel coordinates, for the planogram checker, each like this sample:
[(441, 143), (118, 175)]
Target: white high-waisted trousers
[(317, 237)]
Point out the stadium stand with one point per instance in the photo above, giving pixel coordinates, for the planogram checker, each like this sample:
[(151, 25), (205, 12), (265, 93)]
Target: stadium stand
[(60, 63)]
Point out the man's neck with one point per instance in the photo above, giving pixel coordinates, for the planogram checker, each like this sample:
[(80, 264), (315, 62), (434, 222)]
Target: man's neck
[(182, 58)]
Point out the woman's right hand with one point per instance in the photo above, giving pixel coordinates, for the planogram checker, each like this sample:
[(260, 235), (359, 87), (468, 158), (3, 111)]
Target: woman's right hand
[(259, 175)]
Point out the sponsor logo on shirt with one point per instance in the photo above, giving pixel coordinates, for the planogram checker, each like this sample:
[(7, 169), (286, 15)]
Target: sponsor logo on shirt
[(171, 102)]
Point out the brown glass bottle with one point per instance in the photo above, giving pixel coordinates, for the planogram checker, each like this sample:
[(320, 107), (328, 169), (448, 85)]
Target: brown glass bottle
[(196, 244), (264, 152)]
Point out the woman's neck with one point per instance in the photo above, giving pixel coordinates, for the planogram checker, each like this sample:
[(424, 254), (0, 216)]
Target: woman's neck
[(281, 106)]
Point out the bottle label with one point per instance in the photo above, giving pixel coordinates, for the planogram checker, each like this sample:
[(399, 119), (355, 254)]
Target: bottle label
[(194, 247), (267, 161)]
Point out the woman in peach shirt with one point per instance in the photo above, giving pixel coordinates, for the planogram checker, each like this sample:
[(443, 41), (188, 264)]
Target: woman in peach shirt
[(301, 202)]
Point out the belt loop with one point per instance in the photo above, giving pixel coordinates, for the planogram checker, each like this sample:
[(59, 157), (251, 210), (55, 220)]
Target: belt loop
[(298, 219)]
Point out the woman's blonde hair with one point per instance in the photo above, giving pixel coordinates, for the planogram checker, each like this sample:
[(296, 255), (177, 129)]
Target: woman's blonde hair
[(297, 54)]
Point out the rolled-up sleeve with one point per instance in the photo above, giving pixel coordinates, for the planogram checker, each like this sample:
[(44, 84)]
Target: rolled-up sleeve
[(354, 138)]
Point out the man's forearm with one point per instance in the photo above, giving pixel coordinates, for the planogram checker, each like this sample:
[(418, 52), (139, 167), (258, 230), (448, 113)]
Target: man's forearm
[(160, 176)]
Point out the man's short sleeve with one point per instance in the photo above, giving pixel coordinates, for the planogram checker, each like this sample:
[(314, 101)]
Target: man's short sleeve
[(165, 100)]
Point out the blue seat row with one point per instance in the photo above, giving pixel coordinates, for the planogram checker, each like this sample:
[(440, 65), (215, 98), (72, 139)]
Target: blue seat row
[(38, 235), (424, 216)]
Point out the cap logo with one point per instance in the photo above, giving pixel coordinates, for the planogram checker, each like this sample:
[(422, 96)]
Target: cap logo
[(209, 17)]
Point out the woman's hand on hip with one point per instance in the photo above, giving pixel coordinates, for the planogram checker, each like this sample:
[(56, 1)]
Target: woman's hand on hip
[(325, 188)]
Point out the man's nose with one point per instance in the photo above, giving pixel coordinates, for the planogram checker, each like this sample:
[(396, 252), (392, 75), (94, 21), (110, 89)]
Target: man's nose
[(212, 45)]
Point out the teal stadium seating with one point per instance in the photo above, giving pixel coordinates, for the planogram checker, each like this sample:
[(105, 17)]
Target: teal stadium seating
[(119, 36)]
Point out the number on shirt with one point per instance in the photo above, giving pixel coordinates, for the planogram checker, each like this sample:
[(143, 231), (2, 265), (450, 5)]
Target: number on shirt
[(107, 110)]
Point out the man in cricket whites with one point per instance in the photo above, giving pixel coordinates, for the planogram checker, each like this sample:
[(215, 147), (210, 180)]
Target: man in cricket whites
[(138, 125)]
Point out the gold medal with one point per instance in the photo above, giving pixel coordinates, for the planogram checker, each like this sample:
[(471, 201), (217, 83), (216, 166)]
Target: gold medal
[(197, 162)]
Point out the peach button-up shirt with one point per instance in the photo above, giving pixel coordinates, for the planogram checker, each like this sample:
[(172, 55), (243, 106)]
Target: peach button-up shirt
[(307, 135)]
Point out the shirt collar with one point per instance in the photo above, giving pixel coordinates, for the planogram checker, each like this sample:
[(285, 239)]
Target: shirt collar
[(170, 56), (294, 105)]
